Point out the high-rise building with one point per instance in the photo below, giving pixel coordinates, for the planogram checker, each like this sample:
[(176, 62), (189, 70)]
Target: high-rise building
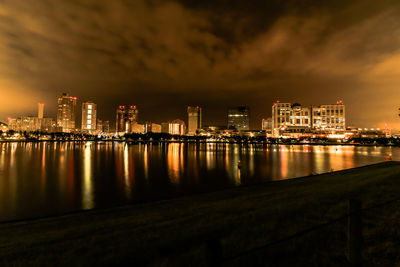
[(89, 117), (66, 113), (126, 117), (120, 119), (40, 110), (194, 119), (239, 118)]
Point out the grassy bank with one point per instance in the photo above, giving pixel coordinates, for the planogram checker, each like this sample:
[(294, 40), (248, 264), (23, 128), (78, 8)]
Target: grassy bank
[(171, 232)]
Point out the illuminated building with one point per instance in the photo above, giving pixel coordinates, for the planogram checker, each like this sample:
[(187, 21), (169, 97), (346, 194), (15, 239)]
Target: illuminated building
[(194, 119), (48, 125), (66, 113), (137, 128), (150, 127), (266, 124), (239, 118), (99, 125), (175, 127), (40, 110), (329, 117), (295, 118), (28, 124), (3, 127), (89, 117), (120, 119), (126, 117), (106, 126)]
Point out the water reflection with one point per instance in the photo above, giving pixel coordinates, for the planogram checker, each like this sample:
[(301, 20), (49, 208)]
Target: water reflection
[(55, 177), (87, 187), (175, 161)]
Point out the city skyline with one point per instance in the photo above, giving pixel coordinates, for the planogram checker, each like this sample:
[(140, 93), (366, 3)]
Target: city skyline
[(127, 118), (253, 54)]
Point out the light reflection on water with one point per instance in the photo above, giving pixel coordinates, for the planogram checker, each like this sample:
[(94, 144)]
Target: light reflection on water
[(38, 179)]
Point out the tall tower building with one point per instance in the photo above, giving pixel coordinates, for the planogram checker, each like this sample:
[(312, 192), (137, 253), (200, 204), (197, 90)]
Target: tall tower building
[(89, 117), (194, 119), (66, 113), (40, 110), (239, 118), (131, 118), (126, 117), (120, 119)]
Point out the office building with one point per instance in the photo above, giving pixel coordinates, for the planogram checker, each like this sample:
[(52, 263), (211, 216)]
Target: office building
[(66, 113), (89, 117), (239, 118), (175, 127), (329, 117), (126, 118), (266, 124), (194, 119), (150, 127), (294, 117)]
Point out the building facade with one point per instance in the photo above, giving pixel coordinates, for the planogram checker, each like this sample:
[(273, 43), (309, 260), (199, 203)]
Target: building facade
[(66, 113), (239, 118), (329, 117), (194, 119), (266, 124), (150, 127), (175, 127), (126, 118), (89, 117), (287, 116)]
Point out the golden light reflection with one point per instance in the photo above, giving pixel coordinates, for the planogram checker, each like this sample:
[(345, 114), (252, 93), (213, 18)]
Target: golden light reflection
[(87, 190), (127, 181), (232, 160), (175, 161), (284, 161), (146, 162), (210, 156), (43, 168)]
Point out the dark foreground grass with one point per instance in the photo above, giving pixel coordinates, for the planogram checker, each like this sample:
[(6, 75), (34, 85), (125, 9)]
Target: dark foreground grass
[(173, 232)]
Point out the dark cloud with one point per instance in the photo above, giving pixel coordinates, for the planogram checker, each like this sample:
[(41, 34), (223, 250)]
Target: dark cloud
[(163, 55)]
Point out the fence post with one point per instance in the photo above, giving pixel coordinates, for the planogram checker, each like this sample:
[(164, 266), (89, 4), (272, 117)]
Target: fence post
[(354, 234), (214, 252)]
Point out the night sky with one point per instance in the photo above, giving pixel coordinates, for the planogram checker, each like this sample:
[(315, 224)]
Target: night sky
[(165, 55)]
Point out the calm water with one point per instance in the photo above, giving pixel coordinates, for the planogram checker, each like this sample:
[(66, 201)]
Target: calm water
[(38, 179)]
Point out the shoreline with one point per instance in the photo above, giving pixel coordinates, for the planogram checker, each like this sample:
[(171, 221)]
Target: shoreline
[(135, 142)]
